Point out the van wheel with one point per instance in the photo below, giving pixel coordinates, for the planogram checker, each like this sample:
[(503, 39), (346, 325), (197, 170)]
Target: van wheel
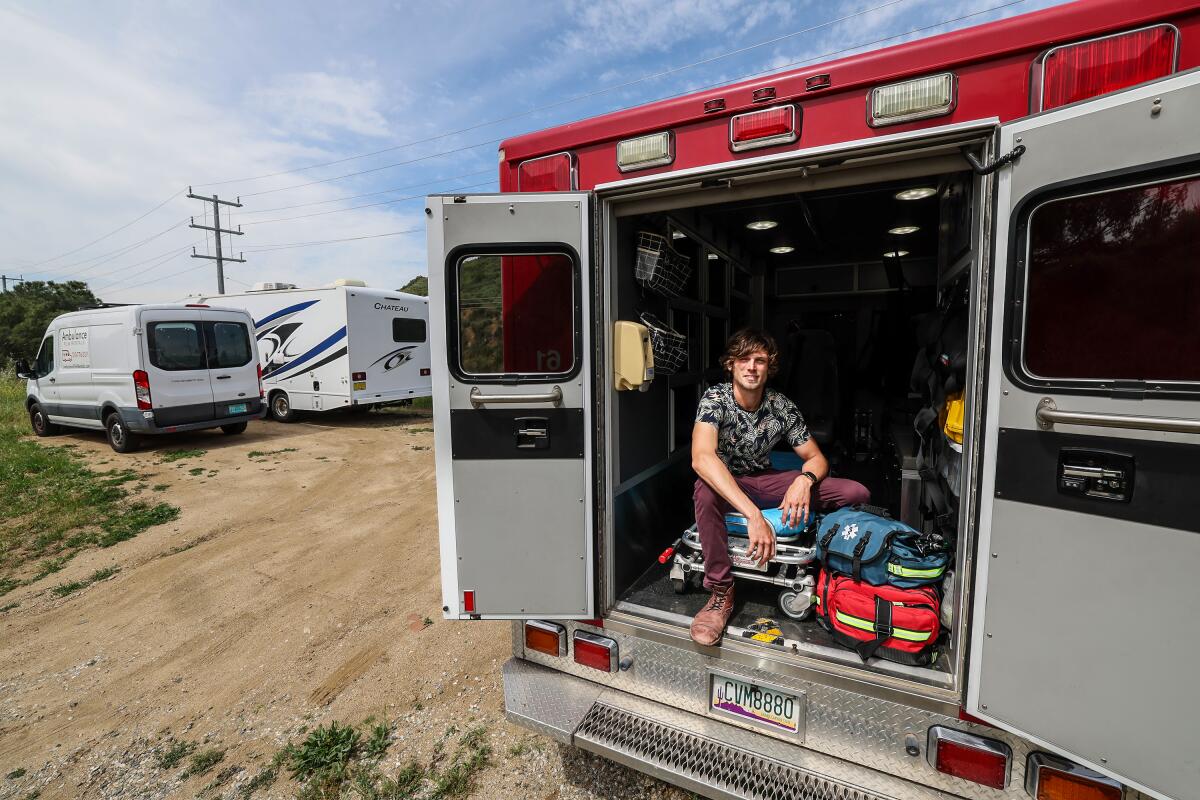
[(119, 437), (234, 429), (281, 408), (795, 605), (41, 424)]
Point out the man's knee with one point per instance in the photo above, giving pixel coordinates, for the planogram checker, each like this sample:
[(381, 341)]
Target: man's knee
[(856, 493)]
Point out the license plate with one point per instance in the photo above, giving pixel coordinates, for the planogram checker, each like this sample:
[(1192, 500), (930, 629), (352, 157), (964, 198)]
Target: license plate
[(748, 702), (238, 408)]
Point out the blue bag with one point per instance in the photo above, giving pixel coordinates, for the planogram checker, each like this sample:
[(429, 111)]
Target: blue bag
[(735, 523), (878, 550)]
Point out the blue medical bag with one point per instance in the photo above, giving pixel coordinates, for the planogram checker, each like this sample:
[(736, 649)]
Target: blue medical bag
[(878, 550)]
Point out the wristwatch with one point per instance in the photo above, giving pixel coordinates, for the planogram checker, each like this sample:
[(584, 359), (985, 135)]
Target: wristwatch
[(812, 478)]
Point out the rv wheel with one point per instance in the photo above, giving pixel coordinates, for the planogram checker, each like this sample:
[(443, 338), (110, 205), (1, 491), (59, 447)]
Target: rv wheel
[(42, 425), (119, 437), (281, 408), (794, 604)]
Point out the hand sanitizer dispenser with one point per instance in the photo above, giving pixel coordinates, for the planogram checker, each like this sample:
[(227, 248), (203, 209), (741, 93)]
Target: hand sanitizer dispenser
[(633, 358)]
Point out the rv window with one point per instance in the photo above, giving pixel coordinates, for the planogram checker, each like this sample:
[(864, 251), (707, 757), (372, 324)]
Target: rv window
[(516, 314), (1113, 290), (45, 358), (228, 344), (408, 330), (175, 345)]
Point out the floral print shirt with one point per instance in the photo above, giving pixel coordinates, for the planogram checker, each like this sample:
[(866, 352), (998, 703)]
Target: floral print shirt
[(745, 438)]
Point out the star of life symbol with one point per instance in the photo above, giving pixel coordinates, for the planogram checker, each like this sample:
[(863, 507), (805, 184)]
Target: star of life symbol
[(851, 531)]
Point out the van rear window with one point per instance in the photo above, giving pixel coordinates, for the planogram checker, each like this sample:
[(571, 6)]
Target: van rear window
[(1113, 288), (176, 345), (516, 314), (228, 345)]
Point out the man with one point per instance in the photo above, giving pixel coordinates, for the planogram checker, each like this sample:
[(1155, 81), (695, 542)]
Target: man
[(737, 425)]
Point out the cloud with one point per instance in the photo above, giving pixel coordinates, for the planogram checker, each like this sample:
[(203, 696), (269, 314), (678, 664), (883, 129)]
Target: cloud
[(319, 105)]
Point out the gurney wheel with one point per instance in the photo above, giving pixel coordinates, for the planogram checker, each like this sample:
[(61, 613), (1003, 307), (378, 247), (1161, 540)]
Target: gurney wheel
[(679, 585), (795, 605)]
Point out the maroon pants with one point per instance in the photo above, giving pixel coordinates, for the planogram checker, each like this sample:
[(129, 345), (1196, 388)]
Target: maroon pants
[(765, 490)]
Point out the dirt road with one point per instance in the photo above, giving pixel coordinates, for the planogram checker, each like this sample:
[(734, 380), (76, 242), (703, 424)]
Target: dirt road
[(298, 586)]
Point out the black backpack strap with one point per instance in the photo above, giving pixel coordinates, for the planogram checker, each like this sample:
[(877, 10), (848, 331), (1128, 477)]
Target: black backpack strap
[(858, 553), (828, 537), (883, 630)]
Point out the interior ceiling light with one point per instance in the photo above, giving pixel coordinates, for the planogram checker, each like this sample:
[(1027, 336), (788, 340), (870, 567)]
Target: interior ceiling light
[(713, 256), (678, 235), (782, 250), (903, 230), (761, 224), (916, 193), (895, 253)]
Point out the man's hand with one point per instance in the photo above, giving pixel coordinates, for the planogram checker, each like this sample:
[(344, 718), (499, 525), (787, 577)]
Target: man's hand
[(762, 538), (797, 501)]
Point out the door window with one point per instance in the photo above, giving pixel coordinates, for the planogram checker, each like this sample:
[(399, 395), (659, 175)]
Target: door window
[(45, 358), (228, 344), (1113, 285), (516, 314), (408, 330), (176, 346)]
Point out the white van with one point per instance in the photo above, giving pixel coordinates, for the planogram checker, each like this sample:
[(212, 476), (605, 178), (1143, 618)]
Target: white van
[(136, 370)]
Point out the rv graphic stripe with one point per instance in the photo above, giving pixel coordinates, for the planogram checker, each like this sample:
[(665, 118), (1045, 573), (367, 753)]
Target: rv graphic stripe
[(285, 311), (313, 353), (322, 362)]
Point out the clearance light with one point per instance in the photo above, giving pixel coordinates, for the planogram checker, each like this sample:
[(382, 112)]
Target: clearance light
[(469, 601), (358, 376), (931, 96), (904, 230), (597, 652), (141, 388), (895, 253), (1049, 777), (545, 637), (964, 755), (554, 173), (761, 225), (916, 193), (1085, 69), (771, 126), (782, 250), (643, 152)]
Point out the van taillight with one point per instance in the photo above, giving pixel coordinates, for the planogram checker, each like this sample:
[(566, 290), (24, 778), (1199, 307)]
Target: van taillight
[(261, 393), (970, 757), (554, 173), (1048, 777), (1078, 71), (764, 128), (545, 637), (141, 388)]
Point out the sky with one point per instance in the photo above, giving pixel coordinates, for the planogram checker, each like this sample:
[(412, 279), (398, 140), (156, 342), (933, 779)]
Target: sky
[(110, 111)]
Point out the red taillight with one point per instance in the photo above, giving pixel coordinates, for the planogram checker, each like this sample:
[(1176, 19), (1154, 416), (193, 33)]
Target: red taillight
[(425, 372), (597, 652), (554, 173), (358, 376), (141, 388), (764, 128), (1078, 71), (469, 601), (545, 637), (261, 393), (970, 757)]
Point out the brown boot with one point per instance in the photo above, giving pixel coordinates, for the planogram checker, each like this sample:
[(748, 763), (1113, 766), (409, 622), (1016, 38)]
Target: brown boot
[(709, 624)]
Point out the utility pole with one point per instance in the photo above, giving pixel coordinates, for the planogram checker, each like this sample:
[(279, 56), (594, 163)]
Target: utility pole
[(217, 231), (4, 279)]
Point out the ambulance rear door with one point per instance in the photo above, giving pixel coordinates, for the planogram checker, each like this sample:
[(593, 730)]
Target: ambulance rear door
[(1087, 599), (510, 288)]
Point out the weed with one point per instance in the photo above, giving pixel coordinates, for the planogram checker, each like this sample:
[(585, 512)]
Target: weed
[(175, 455), (427, 622), (457, 780), (118, 477), (419, 447), (379, 741), (170, 758), (420, 430), (265, 453), (196, 471), (406, 781), (50, 567), (203, 761), (103, 574), (324, 753), (262, 780), (7, 585), (136, 519), (161, 487), (64, 589), (8, 607), (222, 778), (16, 773)]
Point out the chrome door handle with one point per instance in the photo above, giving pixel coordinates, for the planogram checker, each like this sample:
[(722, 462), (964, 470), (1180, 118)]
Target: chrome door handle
[(478, 398), (1048, 415)]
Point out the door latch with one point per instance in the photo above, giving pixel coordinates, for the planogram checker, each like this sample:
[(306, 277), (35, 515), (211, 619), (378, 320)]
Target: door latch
[(532, 433), (1098, 474)]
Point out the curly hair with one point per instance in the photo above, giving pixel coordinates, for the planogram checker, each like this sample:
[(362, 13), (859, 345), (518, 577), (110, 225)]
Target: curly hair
[(745, 342)]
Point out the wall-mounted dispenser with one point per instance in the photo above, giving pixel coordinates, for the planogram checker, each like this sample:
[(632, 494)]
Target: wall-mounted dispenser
[(633, 358)]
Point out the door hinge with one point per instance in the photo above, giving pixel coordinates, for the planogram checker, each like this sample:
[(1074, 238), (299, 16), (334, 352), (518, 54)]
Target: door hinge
[(1007, 158)]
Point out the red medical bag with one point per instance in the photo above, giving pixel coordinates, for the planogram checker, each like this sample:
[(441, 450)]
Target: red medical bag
[(900, 625)]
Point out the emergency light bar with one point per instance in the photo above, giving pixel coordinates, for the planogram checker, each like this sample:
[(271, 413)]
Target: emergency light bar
[(553, 173), (765, 128), (931, 96), (1093, 67), (644, 152)]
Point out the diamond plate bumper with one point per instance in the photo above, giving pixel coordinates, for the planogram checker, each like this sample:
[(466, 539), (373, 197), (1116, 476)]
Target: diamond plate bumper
[(699, 754)]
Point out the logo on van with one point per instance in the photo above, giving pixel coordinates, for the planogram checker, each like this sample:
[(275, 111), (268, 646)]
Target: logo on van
[(396, 358), (850, 531), (386, 307)]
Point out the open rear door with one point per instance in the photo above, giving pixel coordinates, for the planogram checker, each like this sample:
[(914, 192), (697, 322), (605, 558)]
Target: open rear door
[(1087, 596), (510, 288)]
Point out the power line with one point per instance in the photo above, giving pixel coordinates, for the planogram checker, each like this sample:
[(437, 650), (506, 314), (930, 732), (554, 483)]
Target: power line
[(365, 205), (293, 245), (565, 101), (489, 171), (104, 258)]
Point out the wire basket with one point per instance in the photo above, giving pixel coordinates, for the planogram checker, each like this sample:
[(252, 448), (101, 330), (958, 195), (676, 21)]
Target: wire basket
[(670, 346), (659, 268)]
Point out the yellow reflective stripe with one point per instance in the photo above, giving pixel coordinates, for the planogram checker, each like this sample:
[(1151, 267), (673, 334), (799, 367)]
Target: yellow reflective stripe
[(868, 625), (909, 572)]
